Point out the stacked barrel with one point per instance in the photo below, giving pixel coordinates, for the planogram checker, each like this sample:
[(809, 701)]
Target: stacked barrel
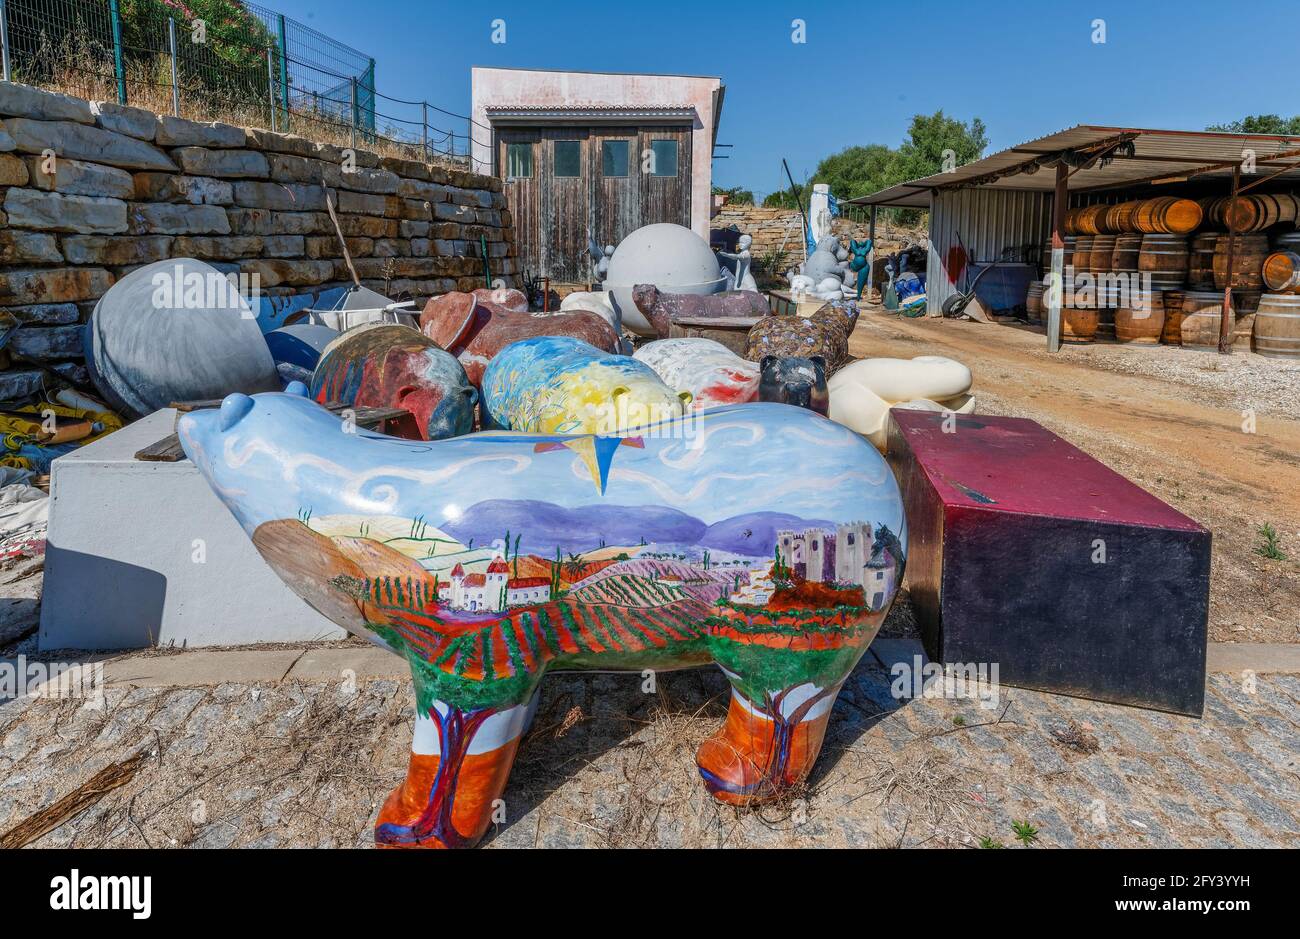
[(1154, 270), (1136, 252)]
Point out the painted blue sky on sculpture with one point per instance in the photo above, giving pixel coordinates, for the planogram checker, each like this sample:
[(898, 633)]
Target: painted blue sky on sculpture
[(294, 454)]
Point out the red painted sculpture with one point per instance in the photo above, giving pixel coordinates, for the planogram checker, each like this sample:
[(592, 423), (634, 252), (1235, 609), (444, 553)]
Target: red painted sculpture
[(474, 328), (389, 365)]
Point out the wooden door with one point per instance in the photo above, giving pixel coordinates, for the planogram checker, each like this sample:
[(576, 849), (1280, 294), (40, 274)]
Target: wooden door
[(524, 196), (566, 201), (666, 181), (616, 199)]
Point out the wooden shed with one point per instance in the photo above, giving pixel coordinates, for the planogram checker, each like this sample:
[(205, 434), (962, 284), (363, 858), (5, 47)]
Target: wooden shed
[(594, 153)]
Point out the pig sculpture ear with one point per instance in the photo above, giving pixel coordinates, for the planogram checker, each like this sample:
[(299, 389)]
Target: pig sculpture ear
[(819, 361), (296, 388), (767, 362), (686, 398)]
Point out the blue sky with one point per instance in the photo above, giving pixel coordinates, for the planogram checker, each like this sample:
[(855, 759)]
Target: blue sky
[(1026, 68)]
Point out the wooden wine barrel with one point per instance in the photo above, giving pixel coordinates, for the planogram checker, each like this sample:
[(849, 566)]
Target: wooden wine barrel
[(1164, 258), (1172, 303), (1105, 324), (1144, 322), (1167, 215), (1034, 301), (1078, 323), (1103, 249), (1072, 222), (1122, 218), (1125, 257), (1200, 264), (1202, 312), (1091, 219), (1281, 272), (1212, 211), (1287, 241), (1255, 213), (1247, 261), (1082, 253), (1068, 254), (1277, 326)]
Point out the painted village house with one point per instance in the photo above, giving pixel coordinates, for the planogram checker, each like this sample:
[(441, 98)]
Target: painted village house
[(851, 555), (493, 591), (594, 154)]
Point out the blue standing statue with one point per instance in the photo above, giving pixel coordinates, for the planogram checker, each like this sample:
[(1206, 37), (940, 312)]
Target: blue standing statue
[(861, 263)]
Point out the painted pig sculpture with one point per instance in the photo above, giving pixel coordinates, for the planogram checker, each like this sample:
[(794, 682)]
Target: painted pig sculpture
[(388, 365), (553, 384), (800, 382), (712, 373), (474, 328), (825, 333), (724, 555), (660, 309)]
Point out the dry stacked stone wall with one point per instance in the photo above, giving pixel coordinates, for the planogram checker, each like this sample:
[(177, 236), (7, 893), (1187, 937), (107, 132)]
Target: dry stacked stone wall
[(89, 191)]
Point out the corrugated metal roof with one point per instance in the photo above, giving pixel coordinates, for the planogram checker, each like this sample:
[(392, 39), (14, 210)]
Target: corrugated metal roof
[(1158, 154)]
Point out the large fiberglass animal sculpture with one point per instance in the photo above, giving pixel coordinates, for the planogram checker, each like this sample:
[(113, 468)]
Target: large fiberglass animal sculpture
[(760, 537)]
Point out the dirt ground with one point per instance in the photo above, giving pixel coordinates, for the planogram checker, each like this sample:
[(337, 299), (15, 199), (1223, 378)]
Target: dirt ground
[(1174, 421)]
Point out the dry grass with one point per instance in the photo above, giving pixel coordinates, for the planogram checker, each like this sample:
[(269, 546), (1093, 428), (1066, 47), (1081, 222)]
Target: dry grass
[(79, 70)]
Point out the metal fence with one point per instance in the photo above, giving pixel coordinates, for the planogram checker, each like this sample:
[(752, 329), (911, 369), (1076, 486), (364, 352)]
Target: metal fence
[(218, 60)]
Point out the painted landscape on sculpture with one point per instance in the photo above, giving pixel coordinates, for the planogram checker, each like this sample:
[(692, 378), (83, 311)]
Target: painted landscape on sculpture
[(513, 582)]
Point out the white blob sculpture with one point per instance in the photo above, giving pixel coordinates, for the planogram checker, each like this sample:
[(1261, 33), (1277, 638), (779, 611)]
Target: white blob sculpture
[(594, 301), (863, 392)]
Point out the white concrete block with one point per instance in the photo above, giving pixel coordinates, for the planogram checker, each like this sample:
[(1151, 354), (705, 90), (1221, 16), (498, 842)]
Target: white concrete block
[(144, 554)]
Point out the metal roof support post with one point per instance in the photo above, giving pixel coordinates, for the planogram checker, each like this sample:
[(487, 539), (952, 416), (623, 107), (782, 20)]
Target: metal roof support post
[(1228, 320), (1055, 293)]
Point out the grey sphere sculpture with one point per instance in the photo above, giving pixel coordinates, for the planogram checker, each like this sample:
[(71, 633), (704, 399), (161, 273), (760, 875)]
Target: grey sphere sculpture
[(671, 257)]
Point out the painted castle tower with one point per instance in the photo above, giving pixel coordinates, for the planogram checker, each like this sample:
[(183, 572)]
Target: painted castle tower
[(852, 555)]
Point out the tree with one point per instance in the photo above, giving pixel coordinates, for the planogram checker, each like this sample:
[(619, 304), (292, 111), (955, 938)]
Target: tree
[(735, 195), (1261, 124), (933, 142)]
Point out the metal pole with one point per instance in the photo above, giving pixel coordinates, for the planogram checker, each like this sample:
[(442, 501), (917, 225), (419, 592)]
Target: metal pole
[(424, 129), (270, 86), (118, 68), (284, 72), (4, 39), (1228, 319), (871, 255), (176, 90), (1055, 292), (353, 130)]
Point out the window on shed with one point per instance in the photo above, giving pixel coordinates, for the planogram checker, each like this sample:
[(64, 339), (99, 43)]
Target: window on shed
[(665, 157), (613, 158), (568, 158), (519, 161)]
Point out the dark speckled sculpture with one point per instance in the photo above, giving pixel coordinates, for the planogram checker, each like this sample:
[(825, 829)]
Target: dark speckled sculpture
[(825, 333), (660, 308)]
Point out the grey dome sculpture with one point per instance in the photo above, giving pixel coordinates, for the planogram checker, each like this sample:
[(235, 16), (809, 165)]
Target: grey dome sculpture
[(175, 330), (672, 258)]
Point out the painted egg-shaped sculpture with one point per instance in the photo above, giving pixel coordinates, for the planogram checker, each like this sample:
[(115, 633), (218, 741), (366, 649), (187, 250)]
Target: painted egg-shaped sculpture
[(558, 385), (712, 373), (389, 365), (760, 537)]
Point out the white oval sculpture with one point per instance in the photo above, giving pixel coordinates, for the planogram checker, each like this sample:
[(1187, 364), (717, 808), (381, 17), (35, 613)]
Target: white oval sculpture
[(673, 258), (594, 301), (863, 392)]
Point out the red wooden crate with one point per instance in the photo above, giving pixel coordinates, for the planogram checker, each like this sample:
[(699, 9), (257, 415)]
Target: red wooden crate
[(1026, 552)]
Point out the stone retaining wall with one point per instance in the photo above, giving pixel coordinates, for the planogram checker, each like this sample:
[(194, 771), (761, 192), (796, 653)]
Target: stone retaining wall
[(771, 228), (91, 190)]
